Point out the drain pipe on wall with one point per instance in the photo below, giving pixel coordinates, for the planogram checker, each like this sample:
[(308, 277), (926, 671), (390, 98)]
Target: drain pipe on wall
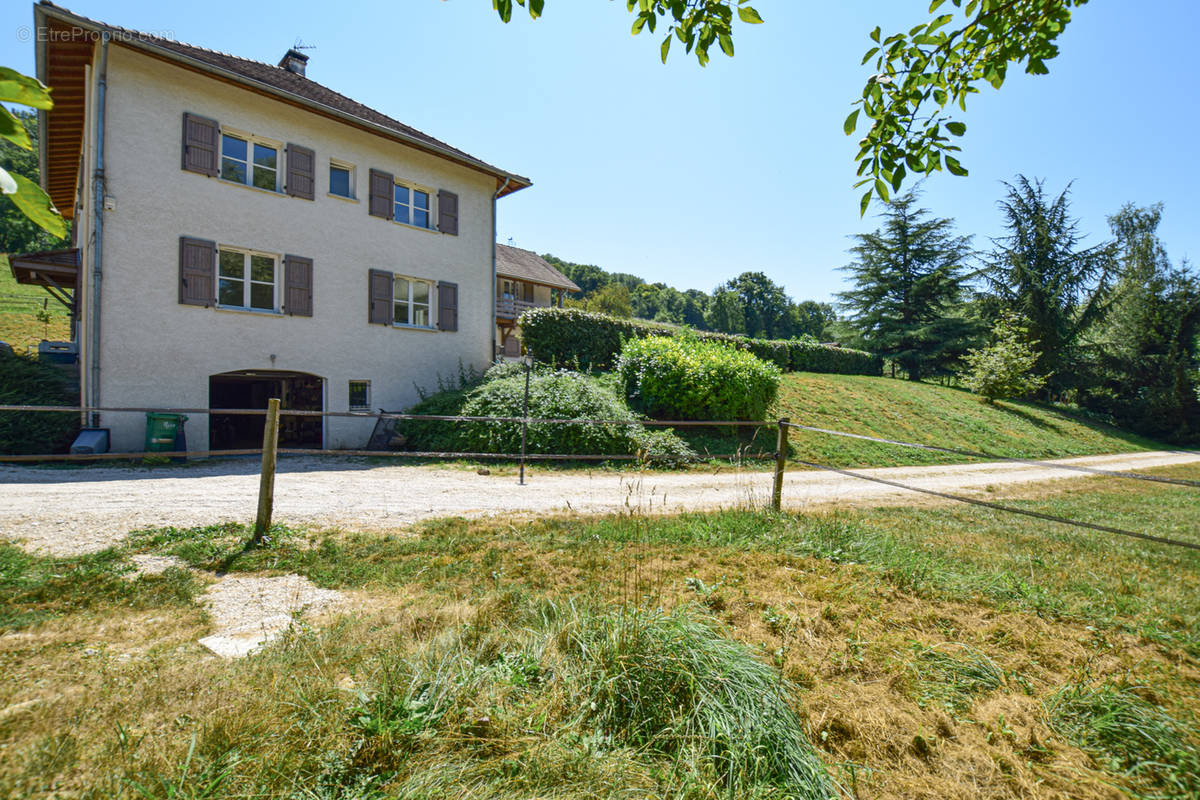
[(492, 311), (97, 234)]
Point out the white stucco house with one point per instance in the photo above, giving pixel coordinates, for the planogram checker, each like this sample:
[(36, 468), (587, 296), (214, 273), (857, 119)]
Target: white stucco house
[(242, 232)]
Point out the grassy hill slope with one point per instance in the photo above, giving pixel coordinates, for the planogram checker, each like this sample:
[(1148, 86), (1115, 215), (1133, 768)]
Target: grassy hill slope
[(924, 413), (19, 307)]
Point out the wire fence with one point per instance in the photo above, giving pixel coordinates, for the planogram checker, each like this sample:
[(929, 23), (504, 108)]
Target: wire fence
[(780, 456)]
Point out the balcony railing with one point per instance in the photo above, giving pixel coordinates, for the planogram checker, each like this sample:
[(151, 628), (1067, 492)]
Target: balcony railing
[(511, 309)]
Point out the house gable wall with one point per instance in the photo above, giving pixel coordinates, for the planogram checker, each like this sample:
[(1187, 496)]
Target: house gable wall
[(158, 352)]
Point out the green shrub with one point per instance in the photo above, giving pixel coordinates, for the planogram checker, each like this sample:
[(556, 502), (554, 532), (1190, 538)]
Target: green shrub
[(686, 378), (573, 336), (553, 394), (25, 381), (1004, 369)]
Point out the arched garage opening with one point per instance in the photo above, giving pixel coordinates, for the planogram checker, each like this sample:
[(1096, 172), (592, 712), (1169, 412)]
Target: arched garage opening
[(297, 391)]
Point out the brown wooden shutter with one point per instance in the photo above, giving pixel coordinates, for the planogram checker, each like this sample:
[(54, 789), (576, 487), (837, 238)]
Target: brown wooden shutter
[(380, 297), (447, 212), (197, 272), (447, 306), (200, 144), (301, 171), (380, 186), (298, 286)]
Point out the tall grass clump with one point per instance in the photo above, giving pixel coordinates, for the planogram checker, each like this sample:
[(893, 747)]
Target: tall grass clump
[(674, 685), (952, 676), (687, 378), (1130, 737)]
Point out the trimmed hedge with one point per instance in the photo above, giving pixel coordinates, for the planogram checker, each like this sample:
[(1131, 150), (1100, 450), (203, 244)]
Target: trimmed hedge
[(688, 378), (572, 336)]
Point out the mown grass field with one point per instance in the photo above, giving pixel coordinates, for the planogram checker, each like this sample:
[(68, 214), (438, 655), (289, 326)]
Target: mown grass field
[(19, 308), (938, 652), (924, 413)]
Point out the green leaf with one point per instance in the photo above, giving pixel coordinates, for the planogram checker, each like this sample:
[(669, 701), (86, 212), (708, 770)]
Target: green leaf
[(875, 34), (862, 205), (638, 23), (535, 8), (955, 167), (18, 88), (956, 128), (881, 189), (748, 14), (504, 9), (12, 129), (726, 43), (35, 204), (851, 122), (666, 48)]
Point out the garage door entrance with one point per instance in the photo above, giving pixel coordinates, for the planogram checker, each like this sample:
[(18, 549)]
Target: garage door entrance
[(296, 391)]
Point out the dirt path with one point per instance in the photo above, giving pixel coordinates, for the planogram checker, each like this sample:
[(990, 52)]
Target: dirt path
[(73, 511)]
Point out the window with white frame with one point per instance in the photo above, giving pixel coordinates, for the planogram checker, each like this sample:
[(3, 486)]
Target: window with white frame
[(411, 205), (250, 161), (410, 300), (360, 395), (247, 279), (341, 179)]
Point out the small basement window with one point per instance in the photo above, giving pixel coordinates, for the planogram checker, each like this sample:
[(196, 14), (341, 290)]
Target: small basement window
[(360, 395)]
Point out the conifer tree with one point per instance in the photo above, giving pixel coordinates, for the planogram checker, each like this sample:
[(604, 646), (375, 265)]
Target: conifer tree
[(909, 277), (1040, 272)]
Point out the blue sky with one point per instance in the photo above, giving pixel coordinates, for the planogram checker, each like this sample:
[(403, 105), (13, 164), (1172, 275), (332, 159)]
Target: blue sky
[(691, 176)]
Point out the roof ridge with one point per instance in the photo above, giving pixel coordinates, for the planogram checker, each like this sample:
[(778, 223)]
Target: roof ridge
[(310, 90)]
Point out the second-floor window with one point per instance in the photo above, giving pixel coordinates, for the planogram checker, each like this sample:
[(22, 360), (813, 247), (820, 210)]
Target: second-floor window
[(249, 161), (410, 205), (410, 298), (341, 179), (247, 280)]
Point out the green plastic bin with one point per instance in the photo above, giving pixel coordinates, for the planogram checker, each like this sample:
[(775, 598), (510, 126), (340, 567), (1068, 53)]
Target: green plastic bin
[(162, 430)]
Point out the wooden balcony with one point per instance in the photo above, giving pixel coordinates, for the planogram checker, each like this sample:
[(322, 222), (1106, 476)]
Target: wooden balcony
[(508, 308)]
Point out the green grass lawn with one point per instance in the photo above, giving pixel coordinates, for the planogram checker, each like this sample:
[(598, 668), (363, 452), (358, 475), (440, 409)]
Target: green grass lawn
[(939, 652), (19, 308), (924, 413)]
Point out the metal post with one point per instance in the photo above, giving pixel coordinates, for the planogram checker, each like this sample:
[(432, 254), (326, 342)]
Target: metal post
[(781, 444), (525, 417), (266, 484)]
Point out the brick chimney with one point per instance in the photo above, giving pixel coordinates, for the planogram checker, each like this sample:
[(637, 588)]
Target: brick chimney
[(293, 61)]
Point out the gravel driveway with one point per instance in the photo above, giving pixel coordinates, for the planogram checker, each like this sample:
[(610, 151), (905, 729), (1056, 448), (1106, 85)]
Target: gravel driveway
[(73, 511)]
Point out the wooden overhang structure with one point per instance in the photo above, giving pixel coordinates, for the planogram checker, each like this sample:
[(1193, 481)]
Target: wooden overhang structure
[(56, 271)]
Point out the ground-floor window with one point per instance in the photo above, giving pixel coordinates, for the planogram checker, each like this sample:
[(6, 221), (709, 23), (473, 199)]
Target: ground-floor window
[(360, 395), (247, 279)]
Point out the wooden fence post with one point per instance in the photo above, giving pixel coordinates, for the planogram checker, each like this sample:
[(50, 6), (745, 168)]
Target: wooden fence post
[(781, 444), (266, 485)]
